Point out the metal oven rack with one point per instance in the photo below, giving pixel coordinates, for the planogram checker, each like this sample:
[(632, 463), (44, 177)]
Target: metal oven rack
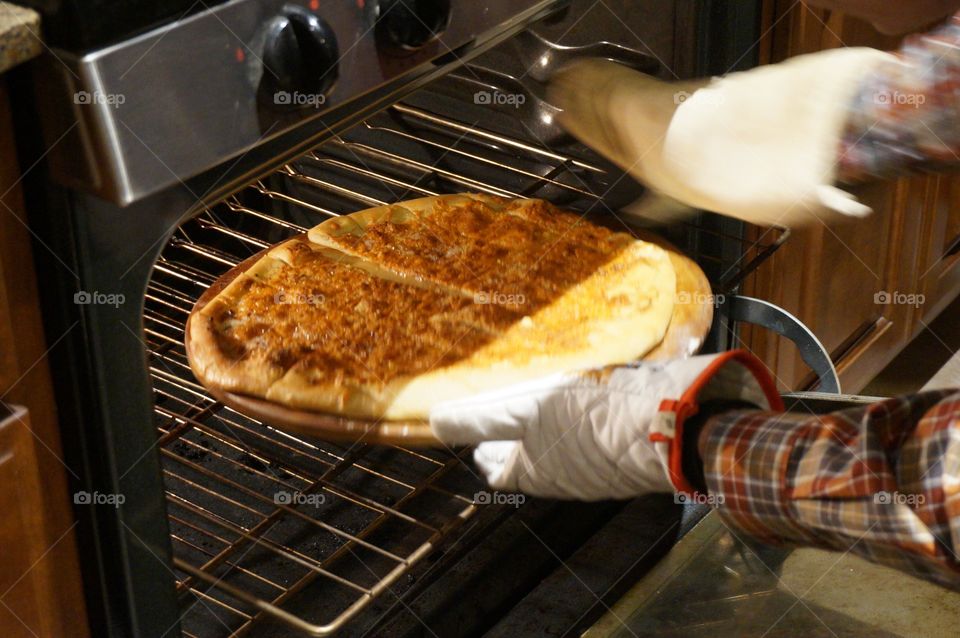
[(256, 515)]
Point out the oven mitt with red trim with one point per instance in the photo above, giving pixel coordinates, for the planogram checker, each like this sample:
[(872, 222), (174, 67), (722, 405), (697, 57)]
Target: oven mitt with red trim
[(612, 433), (761, 145)]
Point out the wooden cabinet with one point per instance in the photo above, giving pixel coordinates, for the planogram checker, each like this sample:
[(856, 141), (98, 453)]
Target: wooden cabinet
[(30, 604), (41, 593), (939, 261), (865, 288)]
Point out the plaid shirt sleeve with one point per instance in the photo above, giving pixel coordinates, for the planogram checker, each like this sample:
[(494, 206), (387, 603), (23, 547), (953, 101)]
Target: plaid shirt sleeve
[(882, 481), (906, 116)]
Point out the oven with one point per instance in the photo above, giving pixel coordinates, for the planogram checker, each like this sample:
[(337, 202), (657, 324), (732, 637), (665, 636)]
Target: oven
[(180, 140)]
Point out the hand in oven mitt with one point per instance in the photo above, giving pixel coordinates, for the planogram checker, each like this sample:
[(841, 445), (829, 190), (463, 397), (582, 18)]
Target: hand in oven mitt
[(612, 433), (760, 145)]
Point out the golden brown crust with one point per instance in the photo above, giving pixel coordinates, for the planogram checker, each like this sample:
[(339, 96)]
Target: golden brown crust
[(386, 311), (216, 358)]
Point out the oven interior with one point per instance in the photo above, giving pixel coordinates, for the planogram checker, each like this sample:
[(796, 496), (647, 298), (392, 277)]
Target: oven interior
[(291, 533)]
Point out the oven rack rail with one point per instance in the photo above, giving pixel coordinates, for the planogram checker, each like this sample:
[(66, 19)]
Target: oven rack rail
[(223, 473), (241, 554), (221, 538)]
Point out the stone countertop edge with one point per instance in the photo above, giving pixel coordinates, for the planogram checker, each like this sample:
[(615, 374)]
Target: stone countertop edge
[(19, 35)]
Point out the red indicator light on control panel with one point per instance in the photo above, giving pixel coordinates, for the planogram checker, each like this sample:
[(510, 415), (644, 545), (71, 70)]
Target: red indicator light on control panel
[(314, 5), (239, 55)]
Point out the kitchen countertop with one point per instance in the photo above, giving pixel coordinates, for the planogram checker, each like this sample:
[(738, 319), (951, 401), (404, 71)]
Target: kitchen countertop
[(19, 35)]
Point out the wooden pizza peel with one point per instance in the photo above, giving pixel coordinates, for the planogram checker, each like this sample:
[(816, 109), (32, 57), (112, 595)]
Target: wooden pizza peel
[(689, 325)]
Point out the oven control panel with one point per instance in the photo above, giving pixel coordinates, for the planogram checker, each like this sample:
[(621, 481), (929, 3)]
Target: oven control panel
[(407, 25), (300, 53), (166, 105)]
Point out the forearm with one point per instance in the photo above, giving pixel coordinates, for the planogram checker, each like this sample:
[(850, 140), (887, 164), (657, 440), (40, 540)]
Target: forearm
[(881, 481), (906, 116)]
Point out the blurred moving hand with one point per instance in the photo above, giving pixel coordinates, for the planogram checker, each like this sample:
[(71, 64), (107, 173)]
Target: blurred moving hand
[(760, 145)]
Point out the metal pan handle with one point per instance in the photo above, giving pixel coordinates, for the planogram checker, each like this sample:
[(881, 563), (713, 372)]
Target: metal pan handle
[(767, 315)]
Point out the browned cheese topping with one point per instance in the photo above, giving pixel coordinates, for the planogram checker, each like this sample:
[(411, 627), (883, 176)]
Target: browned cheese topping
[(340, 318), (472, 272), (526, 251)]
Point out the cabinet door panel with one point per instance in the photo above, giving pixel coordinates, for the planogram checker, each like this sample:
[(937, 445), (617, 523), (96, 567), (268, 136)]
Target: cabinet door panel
[(851, 273), (23, 612), (940, 261), (44, 532), (837, 280)]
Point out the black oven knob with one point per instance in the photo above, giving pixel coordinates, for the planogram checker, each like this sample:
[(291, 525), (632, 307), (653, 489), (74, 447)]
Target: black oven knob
[(299, 57), (407, 25)]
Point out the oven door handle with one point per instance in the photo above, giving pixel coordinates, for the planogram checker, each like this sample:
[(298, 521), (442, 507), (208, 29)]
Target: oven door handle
[(772, 317)]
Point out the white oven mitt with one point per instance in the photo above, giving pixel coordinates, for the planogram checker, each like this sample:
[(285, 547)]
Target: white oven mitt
[(760, 145), (613, 433)]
